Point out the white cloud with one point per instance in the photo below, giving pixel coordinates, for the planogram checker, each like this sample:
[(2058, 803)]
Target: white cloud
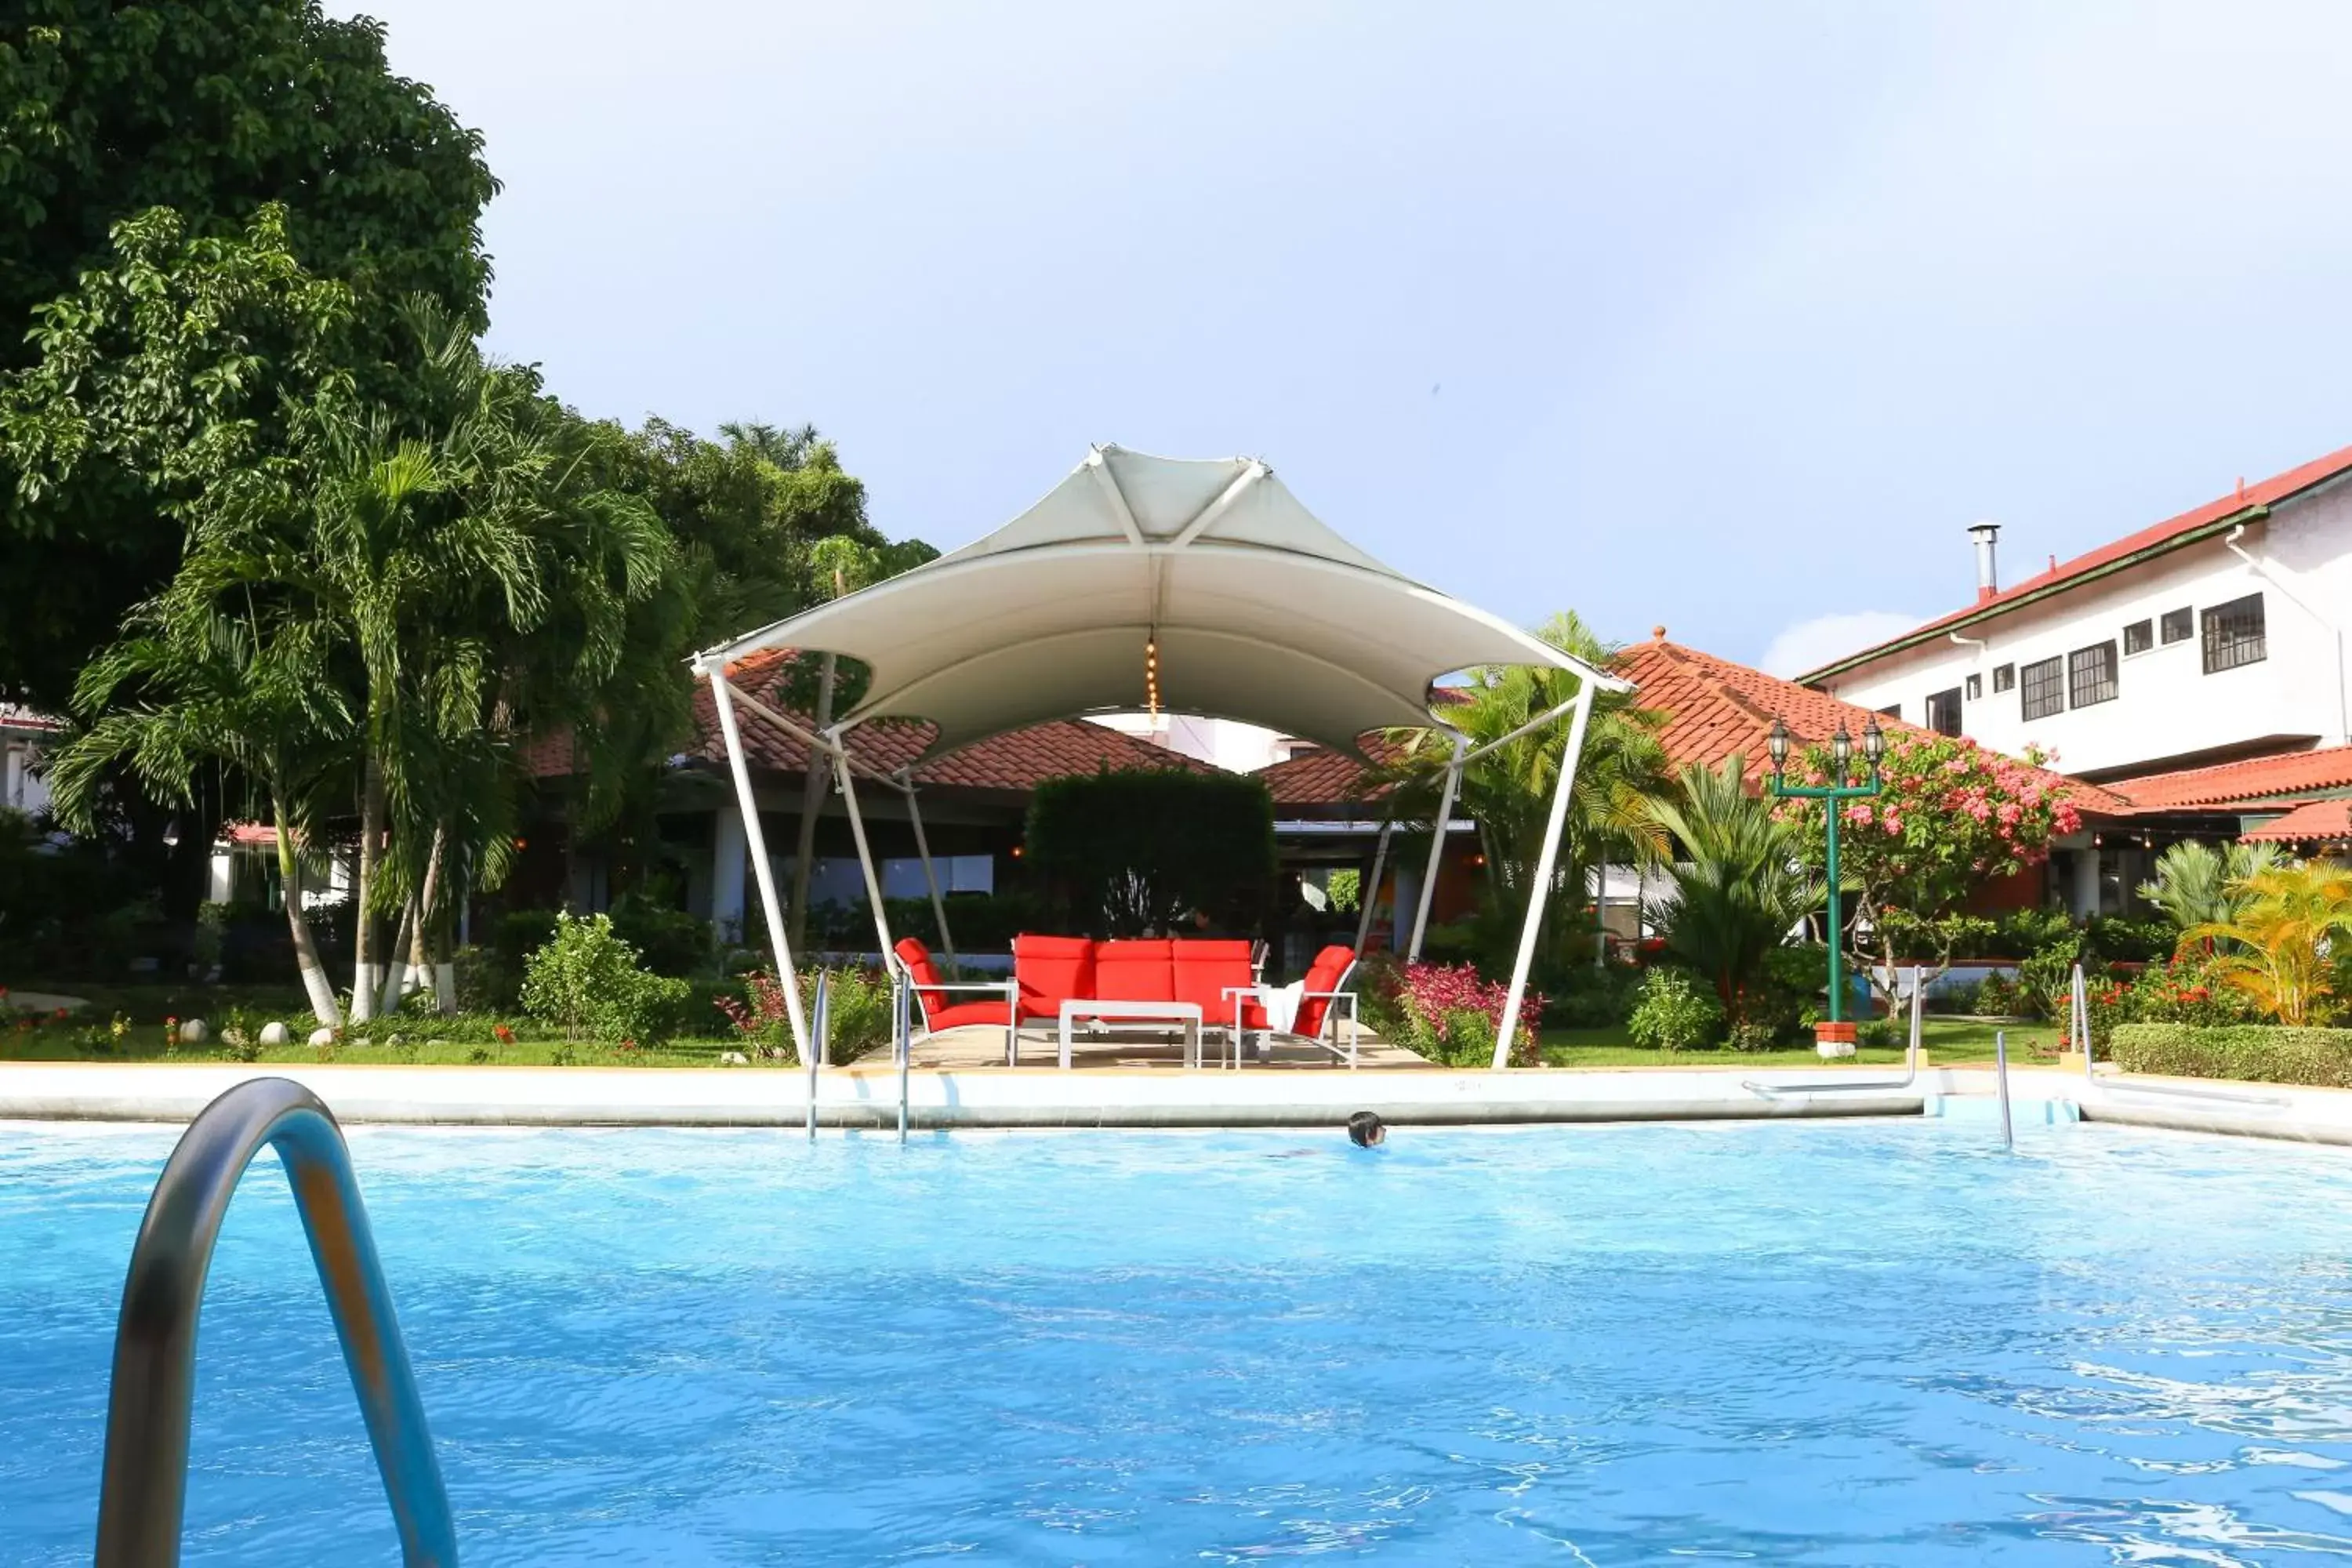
[(1809, 645)]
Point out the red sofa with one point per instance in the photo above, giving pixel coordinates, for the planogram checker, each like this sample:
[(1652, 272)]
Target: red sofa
[(1050, 970)]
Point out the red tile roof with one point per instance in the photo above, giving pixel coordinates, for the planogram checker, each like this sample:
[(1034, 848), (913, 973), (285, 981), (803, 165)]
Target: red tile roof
[(2171, 531), (2278, 777), (1316, 776), (1020, 760), (2308, 823), (1709, 710), (1714, 710)]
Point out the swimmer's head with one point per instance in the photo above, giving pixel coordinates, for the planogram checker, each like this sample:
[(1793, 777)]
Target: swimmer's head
[(1366, 1129)]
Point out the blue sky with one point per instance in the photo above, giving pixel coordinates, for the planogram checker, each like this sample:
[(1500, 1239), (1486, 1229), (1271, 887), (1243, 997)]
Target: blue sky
[(1725, 317)]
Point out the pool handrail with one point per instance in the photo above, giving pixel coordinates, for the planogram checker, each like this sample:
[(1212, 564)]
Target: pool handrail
[(144, 1491), (2078, 1030), (1911, 1063)]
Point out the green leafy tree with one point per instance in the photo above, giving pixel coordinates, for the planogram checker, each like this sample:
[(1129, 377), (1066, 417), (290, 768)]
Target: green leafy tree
[(1739, 882), (210, 110), (2278, 944)]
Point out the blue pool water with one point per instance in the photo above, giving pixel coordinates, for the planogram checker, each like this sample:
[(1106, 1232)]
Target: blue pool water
[(1834, 1343)]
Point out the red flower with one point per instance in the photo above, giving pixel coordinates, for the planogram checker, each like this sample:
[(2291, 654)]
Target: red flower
[(503, 1035)]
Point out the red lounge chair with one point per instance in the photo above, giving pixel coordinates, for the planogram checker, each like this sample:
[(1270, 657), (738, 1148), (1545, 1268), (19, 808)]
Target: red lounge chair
[(939, 1013), (1215, 976), (1327, 979)]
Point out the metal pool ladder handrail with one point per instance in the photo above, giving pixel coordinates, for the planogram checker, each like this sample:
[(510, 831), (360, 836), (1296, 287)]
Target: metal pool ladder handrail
[(145, 1481), (2078, 1035), (1910, 1072)]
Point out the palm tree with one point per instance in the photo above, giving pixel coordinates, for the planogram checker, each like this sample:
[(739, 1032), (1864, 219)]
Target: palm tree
[(2280, 939), (1738, 879), (189, 684), (1507, 791), (2197, 885)]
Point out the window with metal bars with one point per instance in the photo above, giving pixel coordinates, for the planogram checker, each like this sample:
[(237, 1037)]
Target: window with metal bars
[(2139, 637), (2178, 626), (2091, 675), (2043, 687), (2004, 677), (1976, 686), (2234, 634), (1944, 712)]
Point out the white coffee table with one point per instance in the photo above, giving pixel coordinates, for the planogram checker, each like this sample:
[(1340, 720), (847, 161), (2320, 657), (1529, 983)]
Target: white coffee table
[(1186, 1012)]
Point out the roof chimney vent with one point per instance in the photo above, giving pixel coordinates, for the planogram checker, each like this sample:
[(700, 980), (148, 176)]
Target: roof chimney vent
[(1986, 535)]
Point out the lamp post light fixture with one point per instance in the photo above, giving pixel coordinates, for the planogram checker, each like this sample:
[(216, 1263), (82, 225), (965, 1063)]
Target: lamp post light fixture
[(1833, 1037)]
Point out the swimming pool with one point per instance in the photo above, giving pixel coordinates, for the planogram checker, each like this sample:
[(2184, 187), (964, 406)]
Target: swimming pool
[(1819, 1343)]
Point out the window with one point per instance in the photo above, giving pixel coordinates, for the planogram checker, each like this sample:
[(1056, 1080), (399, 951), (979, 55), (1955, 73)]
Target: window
[(2233, 634), (2091, 674), (2178, 624), (1944, 712), (1976, 686), (2004, 677), (2138, 638), (2045, 688)]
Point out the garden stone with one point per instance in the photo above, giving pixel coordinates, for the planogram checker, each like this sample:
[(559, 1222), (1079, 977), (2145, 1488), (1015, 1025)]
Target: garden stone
[(323, 1035), (273, 1034), (733, 1060), (192, 1031)]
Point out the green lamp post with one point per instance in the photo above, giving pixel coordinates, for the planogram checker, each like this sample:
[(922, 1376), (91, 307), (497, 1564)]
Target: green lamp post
[(1834, 1037)]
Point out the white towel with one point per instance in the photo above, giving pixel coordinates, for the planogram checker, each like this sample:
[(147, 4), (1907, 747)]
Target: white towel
[(1282, 1005)]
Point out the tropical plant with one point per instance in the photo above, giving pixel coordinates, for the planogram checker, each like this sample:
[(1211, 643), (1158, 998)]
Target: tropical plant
[(2277, 947), (587, 980), (190, 684), (1449, 1013), (1739, 883), (1675, 1012), (2199, 885), (1507, 791)]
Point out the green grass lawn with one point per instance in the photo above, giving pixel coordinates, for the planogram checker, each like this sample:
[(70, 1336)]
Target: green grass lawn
[(1947, 1041)]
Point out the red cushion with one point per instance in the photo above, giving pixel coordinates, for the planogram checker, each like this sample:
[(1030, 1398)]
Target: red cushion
[(963, 1013), (1202, 971), (1139, 971), (1052, 970), (922, 972), (1331, 966)]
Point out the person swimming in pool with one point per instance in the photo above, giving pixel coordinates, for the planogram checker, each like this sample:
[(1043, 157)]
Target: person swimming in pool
[(1366, 1130)]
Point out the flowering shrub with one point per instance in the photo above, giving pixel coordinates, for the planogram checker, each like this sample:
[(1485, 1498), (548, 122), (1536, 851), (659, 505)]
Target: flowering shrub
[(1949, 816), (1449, 1013), (2188, 991), (858, 1009), (1675, 1012)]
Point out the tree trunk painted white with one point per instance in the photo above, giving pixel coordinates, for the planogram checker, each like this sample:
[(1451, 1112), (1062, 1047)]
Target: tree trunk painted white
[(315, 983), (367, 975)]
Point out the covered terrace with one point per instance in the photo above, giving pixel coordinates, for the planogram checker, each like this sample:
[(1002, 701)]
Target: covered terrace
[(1139, 584)]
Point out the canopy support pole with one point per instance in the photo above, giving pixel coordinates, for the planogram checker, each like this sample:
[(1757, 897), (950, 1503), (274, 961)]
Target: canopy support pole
[(1436, 849), (756, 842), (930, 878), (1370, 890), (1540, 883), (864, 856)]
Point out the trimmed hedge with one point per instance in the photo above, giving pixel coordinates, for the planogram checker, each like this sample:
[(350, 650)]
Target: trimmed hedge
[(2258, 1053)]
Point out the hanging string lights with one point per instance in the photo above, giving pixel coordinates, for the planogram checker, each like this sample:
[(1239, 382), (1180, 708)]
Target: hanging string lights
[(1151, 674)]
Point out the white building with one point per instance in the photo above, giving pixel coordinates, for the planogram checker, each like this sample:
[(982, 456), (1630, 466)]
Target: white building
[(2196, 670), (22, 734), (2212, 636)]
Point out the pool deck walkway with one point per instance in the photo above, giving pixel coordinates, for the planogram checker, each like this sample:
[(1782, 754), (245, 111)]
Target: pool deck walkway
[(1161, 1097)]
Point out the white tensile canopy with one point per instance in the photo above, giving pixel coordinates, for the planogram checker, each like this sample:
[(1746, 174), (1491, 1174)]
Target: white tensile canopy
[(1181, 585)]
